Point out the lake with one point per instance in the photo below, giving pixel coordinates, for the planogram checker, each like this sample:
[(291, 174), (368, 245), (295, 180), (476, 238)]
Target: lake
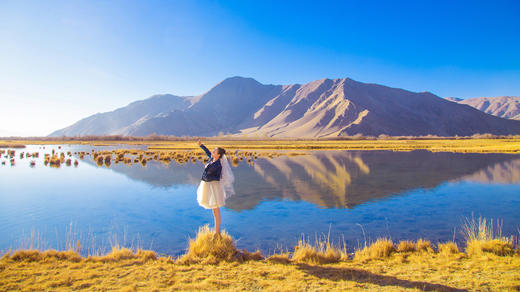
[(350, 196)]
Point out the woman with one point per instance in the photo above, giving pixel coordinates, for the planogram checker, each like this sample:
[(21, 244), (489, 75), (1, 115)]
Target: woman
[(216, 184)]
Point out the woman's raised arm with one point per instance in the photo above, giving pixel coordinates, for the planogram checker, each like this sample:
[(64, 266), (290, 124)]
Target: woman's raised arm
[(205, 149)]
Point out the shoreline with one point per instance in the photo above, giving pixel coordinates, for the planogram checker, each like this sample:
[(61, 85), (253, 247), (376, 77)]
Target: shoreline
[(463, 145), (489, 261)]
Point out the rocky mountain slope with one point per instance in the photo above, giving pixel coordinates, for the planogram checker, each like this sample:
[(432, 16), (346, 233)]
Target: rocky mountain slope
[(322, 108), (507, 107)]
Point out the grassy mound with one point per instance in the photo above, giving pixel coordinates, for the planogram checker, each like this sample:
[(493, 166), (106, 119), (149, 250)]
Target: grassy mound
[(209, 248)]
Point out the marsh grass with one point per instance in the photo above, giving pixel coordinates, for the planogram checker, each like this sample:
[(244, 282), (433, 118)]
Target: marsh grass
[(165, 156), (119, 253), (406, 246), (323, 251), (483, 237), (423, 245), (212, 263), (480, 144), (381, 248), (448, 248)]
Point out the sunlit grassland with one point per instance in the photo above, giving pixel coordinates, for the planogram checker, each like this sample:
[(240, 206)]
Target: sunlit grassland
[(214, 263), (474, 145)]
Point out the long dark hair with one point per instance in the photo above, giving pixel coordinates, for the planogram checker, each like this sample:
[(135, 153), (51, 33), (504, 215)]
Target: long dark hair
[(221, 151)]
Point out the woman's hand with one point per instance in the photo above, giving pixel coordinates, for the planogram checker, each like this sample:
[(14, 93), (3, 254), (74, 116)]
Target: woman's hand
[(199, 142)]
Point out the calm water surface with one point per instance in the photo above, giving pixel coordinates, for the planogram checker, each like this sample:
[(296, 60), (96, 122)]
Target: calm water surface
[(354, 195)]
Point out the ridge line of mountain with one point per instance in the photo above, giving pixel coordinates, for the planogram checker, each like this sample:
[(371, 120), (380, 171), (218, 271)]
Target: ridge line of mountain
[(321, 108)]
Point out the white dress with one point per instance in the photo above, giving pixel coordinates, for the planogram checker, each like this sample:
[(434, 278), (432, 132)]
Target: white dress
[(213, 194), (210, 194)]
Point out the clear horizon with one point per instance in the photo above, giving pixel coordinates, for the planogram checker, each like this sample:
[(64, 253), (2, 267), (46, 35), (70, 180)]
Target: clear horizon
[(84, 57)]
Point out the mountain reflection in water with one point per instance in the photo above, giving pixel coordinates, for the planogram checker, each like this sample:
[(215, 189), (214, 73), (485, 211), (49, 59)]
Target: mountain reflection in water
[(337, 179)]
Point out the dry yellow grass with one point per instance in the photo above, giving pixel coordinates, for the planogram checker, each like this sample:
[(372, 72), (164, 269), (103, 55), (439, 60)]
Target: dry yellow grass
[(209, 248), (423, 245), (322, 252), (123, 269), (448, 248), (406, 246), (482, 237), (250, 150), (502, 145), (382, 248), (214, 263)]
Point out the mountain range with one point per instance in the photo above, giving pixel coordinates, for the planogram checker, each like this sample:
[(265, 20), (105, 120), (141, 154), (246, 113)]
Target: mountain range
[(323, 108), (507, 107)]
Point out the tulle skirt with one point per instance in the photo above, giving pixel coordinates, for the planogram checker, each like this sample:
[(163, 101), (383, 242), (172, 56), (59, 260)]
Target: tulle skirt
[(210, 194)]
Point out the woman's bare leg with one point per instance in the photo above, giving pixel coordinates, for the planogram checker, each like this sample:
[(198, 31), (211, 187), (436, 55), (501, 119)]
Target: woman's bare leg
[(216, 214)]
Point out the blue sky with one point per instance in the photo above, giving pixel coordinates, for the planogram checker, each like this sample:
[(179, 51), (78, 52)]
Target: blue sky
[(65, 60)]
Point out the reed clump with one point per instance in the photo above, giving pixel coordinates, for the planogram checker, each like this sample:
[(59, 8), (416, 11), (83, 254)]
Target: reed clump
[(448, 248), (423, 245), (322, 252), (482, 237), (179, 156), (382, 248), (53, 161), (99, 160), (406, 246)]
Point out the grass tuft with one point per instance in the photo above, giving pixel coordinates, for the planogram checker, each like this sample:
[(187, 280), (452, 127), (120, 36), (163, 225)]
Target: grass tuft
[(250, 256), (406, 246), (495, 246), (448, 248), (382, 248), (423, 245), (323, 252), (208, 248), (279, 258), (122, 253), (482, 237)]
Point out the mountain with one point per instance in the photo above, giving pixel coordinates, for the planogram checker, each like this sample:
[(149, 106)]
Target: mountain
[(507, 107), (114, 121), (322, 108)]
